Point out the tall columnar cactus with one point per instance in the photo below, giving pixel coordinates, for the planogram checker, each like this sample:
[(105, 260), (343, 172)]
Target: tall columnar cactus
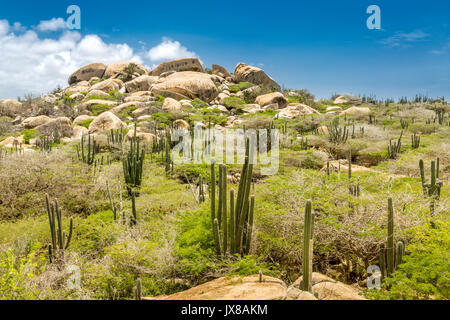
[(308, 234), (87, 156), (111, 202), (116, 137), (60, 242), (415, 141), (349, 160), (133, 164), (391, 255), (336, 134), (390, 238), (232, 227), (394, 148), (433, 188)]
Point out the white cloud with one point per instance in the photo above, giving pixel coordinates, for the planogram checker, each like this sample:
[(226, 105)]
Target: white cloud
[(404, 39), (169, 50), (31, 64), (54, 24)]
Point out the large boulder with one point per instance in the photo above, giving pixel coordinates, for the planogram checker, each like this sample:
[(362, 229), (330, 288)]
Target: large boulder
[(106, 86), (126, 105), (180, 124), (10, 108), (325, 288), (271, 98), (220, 71), (82, 118), (235, 288), (88, 104), (61, 126), (79, 87), (348, 99), (187, 64), (116, 68), (105, 122), (188, 85), (143, 136), (171, 105), (88, 72), (142, 83), (79, 131), (357, 111), (33, 122), (294, 110), (254, 75)]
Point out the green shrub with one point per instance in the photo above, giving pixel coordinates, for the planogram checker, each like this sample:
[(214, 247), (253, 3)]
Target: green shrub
[(425, 273), (198, 103), (86, 123), (98, 109), (234, 103), (29, 134), (17, 273)]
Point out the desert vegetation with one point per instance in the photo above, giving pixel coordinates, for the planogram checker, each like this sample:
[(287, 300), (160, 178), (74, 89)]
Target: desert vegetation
[(94, 187)]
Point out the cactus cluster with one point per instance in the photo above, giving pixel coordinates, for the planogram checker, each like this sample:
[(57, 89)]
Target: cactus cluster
[(46, 144), (87, 156), (308, 246), (336, 134), (233, 230), (404, 124), (433, 188), (116, 137), (415, 141), (394, 148), (391, 255), (60, 242), (133, 164)]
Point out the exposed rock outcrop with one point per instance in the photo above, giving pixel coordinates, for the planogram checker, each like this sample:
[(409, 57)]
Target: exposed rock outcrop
[(186, 64), (254, 75)]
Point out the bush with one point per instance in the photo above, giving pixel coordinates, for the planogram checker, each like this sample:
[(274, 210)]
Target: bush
[(198, 103), (29, 134), (425, 273), (234, 103), (98, 109), (16, 275)]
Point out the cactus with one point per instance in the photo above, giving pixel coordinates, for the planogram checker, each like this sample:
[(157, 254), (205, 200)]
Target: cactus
[(415, 141), (308, 233), (432, 189), (232, 227), (349, 160), (111, 203), (390, 239), (355, 190), (391, 255), (133, 220), (59, 241), (92, 149), (133, 164), (116, 137), (394, 148), (137, 290), (404, 124), (337, 135)]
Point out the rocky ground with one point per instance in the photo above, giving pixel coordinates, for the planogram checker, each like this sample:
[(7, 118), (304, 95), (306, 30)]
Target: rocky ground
[(171, 248)]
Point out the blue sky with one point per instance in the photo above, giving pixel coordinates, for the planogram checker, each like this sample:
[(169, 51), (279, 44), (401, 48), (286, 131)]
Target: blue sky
[(323, 46)]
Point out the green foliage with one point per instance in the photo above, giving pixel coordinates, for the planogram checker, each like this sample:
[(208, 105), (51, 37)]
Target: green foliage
[(251, 265), (234, 103), (85, 123), (425, 273), (97, 109), (29, 134), (198, 103), (241, 86), (17, 273)]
